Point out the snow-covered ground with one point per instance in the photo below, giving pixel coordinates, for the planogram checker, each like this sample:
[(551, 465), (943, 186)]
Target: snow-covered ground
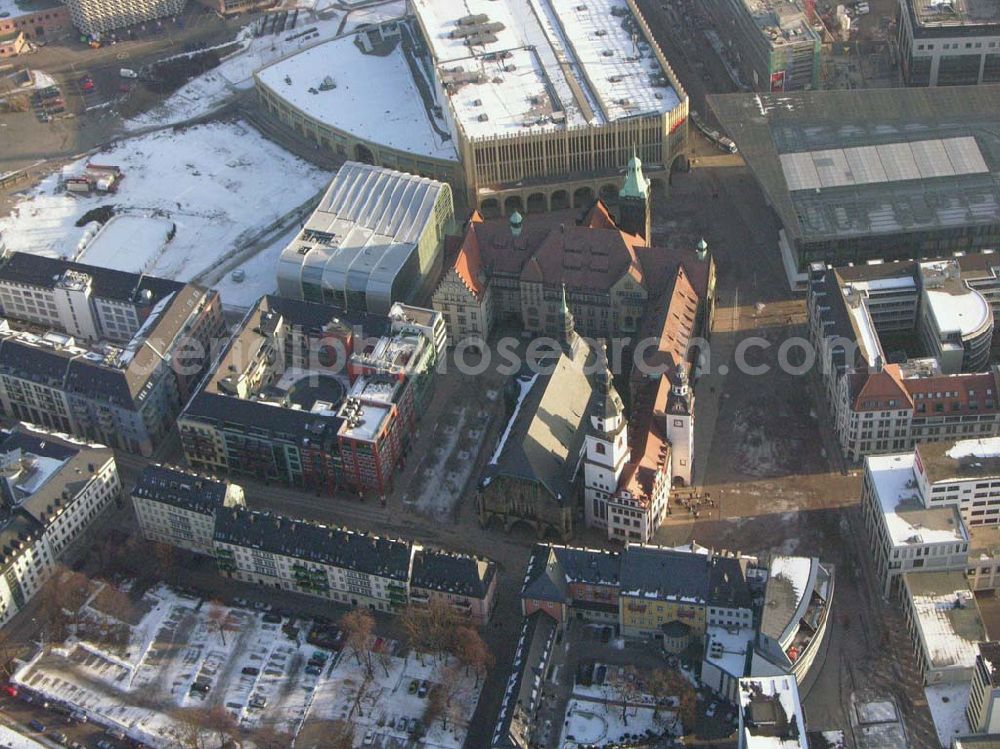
[(219, 184), (178, 642), (128, 242), (947, 703), (211, 90), (11, 739), (382, 703), (598, 723), (259, 274)]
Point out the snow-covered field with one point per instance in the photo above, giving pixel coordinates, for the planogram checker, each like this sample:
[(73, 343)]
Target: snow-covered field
[(211, 90), (128, 242), (219, 184), (601, 723), (144, 686)]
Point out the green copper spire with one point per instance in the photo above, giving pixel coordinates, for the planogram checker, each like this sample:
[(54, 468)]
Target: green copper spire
[(636, 185)]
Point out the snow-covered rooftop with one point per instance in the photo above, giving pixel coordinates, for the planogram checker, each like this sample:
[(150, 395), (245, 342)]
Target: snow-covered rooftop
[(542, 64), (947, 617), (727, 648), (963, 460), (373, 96), (955, 307), (771, 714), (908, 521)]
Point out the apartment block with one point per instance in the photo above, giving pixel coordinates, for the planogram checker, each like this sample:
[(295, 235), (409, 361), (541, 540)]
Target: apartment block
[(54, 488), (314, 396), (465, 583), (178, 507)]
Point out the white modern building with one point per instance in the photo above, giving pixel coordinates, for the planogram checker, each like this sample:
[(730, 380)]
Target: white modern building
[(949, 42), (965, 473), (944, 623), (770, 714), (957, 322), (178, 507), (98, 17), (983, 710), (53, 488), (905, 534), (375, 238)]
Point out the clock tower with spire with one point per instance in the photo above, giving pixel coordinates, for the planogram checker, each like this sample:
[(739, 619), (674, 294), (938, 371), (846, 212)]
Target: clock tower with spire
[(634, 214), (606, 449)]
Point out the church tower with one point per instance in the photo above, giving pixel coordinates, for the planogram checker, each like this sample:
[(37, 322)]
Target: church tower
[(566, 325), (634, 215), (606, 449), (680, 425)]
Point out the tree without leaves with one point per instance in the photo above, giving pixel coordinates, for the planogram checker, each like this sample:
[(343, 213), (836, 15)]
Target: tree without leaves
[(627, 689), (358, 626), (665, 683), (436, 703), (341, 735), (442, 620), (221, 723), (191, 728), (414, 620), (472, 651), (217, 616), (268, 737)]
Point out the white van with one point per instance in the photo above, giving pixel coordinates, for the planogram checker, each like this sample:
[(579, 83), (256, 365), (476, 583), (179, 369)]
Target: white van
[(128, 73)]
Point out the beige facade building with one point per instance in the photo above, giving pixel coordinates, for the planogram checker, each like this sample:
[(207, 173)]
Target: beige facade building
[(521, 111)]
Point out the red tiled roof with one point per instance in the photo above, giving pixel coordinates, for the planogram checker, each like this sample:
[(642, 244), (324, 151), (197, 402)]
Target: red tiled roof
[(671, 322), (648, 445), (876, 389), (954, 392), (467, 263)]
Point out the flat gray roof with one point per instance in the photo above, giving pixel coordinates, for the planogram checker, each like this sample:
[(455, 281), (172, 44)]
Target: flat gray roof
[(933, 13), (778, 133)]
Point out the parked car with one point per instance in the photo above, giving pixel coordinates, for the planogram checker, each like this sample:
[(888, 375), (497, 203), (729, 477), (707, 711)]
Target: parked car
[(201, 687), (258, 701), (79, 716), (59, 737), (10, 690), (116, 733), (251, 671), (369, 738), (272, 618), (425, 687), (36, 725), (128, 73), (314, 670), (414, 686), (104, 744)]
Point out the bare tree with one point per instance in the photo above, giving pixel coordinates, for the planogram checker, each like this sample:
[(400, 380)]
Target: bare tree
[(414, 620), (341, 735), (472, 652), (191, 728), (216, 616), (220, 722), (358, 626), (664, 683), (627, 689), (268, 737), (436, 702), (441, 623)]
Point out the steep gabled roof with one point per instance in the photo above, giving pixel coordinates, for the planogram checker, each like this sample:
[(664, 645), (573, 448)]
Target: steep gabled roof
[(878, 388)]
